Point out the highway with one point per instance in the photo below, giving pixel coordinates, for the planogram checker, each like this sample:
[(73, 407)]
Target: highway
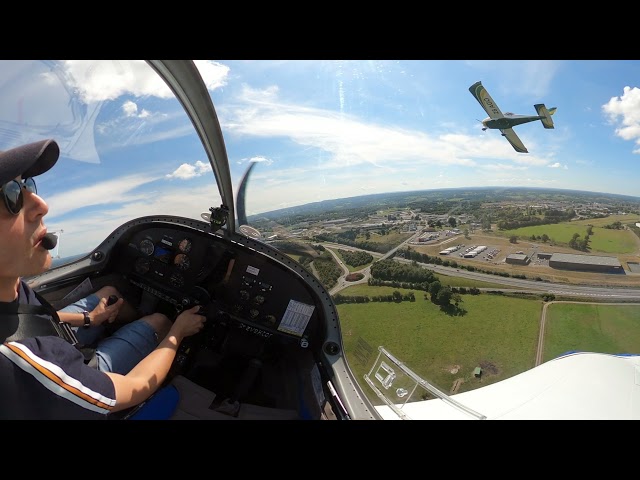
[(511, 284), (607, 294), (516, 284)]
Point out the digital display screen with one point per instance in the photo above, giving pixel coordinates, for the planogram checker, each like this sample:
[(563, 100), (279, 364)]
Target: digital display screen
[(163, 254)]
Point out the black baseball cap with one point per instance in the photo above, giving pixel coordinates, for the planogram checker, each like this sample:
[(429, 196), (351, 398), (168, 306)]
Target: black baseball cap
[(28, 160)]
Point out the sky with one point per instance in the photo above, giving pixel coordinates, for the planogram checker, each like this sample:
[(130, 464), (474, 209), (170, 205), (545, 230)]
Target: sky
[(389, 126), (319, 130)]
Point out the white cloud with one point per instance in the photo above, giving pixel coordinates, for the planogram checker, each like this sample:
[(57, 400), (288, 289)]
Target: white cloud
[(624, 111), (97, 81), (349, 141), (112, 191), (186, 171)]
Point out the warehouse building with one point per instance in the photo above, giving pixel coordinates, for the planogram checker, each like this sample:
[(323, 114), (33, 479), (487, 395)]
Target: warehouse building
[(517, 259), (587, 263)]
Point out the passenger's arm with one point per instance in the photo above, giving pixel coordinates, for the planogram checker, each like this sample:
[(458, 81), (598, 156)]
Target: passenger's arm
[(147, 376)]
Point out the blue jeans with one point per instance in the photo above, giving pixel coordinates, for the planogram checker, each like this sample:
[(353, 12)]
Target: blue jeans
[(122, 350)]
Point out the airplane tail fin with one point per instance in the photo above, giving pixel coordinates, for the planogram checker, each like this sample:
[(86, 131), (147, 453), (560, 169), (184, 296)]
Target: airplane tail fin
[(545, 115)]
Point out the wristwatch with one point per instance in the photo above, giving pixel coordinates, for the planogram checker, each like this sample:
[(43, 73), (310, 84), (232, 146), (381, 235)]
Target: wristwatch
[(87, 319)]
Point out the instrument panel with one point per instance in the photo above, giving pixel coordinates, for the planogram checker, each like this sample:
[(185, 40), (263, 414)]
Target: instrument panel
[(184, 266), (166, 258)]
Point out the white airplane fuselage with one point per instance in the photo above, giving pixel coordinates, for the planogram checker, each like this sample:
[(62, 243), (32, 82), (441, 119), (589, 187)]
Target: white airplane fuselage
[(508, 121)]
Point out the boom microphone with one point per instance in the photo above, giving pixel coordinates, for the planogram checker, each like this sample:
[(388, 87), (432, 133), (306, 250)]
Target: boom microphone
[(49, 241)]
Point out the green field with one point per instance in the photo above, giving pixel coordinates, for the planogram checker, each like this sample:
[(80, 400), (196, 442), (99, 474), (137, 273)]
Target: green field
[(433, 344), (392, 238), (602, 240), (601, 222), (497, 333), (591, 328), (351, 269)]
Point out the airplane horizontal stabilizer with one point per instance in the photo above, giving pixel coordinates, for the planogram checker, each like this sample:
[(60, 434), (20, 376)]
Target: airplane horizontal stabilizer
[(545, 115)]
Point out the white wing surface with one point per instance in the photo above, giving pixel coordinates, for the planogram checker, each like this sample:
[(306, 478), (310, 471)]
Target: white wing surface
[(514, 140), (480, 93)]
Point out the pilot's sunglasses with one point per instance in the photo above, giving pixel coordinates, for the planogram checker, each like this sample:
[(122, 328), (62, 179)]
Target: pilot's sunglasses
[(12, 193)]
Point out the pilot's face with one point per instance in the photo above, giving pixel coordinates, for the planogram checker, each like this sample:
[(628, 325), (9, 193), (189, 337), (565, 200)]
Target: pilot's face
[(20, 251)]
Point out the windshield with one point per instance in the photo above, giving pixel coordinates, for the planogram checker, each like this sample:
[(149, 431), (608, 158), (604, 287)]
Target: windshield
[(441, 227), (127, 147)]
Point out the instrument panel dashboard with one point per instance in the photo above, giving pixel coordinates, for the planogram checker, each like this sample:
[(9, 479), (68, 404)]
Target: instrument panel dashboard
[(184, 266)]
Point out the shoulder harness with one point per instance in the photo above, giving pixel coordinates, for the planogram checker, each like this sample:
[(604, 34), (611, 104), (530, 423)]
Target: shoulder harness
[(40, 320)]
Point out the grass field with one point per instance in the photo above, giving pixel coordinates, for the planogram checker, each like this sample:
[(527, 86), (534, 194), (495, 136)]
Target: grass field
[(499, 334), (602, 240), (392, 238), (351, 269), (591, 328), (601, 222), (443, 348)]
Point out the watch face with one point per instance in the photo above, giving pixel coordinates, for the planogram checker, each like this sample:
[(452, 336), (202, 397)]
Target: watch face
[(87, 319)]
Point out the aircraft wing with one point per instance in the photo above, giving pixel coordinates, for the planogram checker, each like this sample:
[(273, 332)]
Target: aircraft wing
[(480, 93), (514, 140)]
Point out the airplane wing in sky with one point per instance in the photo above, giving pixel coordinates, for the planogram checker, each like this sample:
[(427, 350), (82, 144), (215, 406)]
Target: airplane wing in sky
[(514, 140), (480, 93)]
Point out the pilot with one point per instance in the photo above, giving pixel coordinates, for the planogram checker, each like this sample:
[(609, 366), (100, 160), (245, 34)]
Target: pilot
[(44, 375)]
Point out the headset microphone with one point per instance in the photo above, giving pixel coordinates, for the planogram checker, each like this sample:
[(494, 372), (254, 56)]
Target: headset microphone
[(49, 241)]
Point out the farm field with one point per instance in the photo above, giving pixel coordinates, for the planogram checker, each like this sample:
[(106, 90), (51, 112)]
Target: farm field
[(445, 350), (591, 327), (602, 240)]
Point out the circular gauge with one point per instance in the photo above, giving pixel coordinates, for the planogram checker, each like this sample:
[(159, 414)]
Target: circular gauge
[(146, 247), (185, 245), (142, 265), (181, 261), (176, 280)]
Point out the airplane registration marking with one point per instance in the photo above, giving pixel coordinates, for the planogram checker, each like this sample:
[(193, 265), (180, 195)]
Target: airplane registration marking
[(255, 331), (490, 104)]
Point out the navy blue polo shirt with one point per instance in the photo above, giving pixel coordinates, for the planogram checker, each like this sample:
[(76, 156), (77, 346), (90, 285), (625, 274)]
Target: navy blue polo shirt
[(45, 377)]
